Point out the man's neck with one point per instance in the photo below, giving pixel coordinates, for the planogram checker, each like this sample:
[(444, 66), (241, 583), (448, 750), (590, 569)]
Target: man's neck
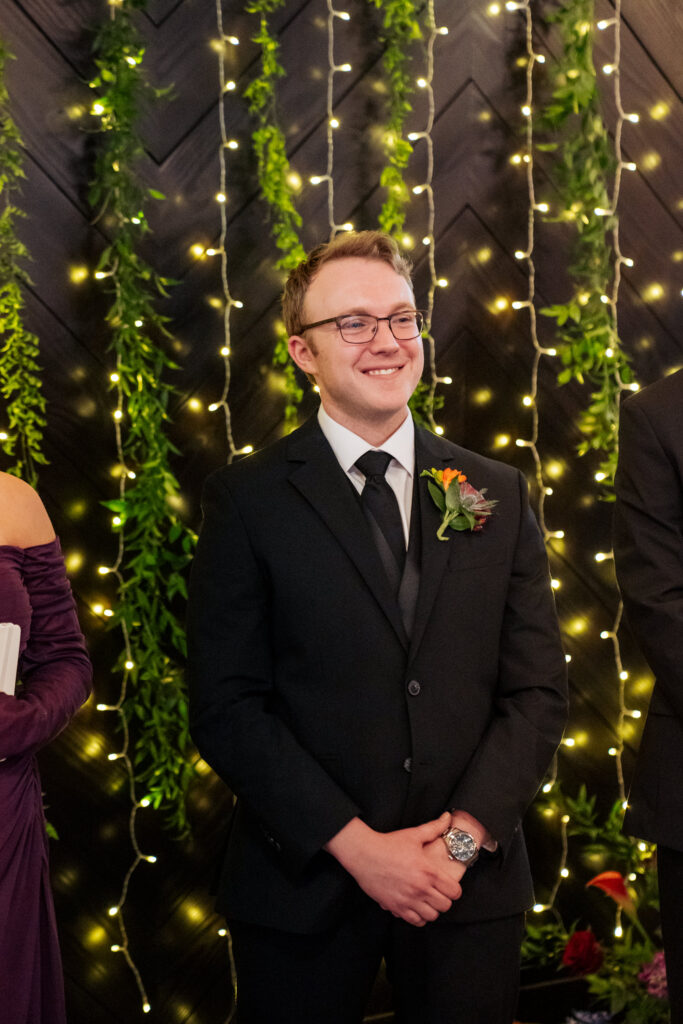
[(375, 433)]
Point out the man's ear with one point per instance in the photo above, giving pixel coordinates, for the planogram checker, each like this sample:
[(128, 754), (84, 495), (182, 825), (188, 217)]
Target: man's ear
[(301, 353)]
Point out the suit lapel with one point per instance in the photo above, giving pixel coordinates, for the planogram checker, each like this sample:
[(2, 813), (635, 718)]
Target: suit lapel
[(435, 552), (317, 476)]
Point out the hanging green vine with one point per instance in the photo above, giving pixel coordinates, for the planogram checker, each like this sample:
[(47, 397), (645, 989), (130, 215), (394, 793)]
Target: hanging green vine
[(588, 343), (20, 382), (274, 176), (155, 545), (400, 27)]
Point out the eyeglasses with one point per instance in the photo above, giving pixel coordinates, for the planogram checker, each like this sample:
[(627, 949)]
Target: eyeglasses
[(359, 328)]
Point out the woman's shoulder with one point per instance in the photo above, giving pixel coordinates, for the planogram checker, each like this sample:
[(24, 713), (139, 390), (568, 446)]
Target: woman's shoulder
[(24, 521)]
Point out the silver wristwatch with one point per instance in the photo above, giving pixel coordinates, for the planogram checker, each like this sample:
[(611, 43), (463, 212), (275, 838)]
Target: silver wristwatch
[(461, 846)]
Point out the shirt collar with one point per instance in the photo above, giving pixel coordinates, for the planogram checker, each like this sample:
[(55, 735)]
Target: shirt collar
[(348, 446)]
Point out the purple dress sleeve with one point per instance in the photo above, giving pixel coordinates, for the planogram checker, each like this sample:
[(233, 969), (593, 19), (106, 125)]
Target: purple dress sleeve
[(54, 667), (55, 673)]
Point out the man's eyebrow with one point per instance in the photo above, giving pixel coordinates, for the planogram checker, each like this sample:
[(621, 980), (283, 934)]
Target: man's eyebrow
[(400, 307)]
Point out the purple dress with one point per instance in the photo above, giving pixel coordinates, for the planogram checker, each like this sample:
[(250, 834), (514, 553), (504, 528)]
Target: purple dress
[(56, 675)]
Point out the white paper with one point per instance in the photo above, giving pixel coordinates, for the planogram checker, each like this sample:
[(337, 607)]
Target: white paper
[(10, 637)]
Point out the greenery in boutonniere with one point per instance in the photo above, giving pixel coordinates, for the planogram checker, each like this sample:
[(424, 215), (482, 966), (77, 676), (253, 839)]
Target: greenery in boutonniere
[(462, 507), (587, 338), (20, 382)]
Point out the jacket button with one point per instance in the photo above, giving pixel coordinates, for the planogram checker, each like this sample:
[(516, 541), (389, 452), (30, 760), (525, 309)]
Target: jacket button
[(414, 687), (408, 764), (272, 841)]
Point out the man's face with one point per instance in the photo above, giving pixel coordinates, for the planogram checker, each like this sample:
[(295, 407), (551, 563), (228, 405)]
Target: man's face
[(364, 387)]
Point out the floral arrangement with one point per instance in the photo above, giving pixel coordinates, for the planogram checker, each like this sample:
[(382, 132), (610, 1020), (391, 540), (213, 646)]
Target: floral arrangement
[(622, 966), (461, 505), (630, 975)]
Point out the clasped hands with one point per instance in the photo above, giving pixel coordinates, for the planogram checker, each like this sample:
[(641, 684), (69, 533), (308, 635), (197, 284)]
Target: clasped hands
[(407, 872)]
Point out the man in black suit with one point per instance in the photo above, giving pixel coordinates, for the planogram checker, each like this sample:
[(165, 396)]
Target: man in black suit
[(648, 551), (383, 703)]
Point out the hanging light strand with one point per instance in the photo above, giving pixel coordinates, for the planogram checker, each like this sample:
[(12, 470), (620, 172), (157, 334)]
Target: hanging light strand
[(426, 188), (613, 634), (332, 122), (123, 754), (531, 398), (222, 402)]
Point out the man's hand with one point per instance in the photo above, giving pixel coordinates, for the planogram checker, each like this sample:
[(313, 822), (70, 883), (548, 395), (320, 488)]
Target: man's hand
[(404, 871)]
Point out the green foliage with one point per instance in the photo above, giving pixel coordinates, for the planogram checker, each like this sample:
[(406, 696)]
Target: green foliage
[(544, 942), (424, 404), (586, 330), (157, 546), (274, 176), (400, 27), (20, 383)]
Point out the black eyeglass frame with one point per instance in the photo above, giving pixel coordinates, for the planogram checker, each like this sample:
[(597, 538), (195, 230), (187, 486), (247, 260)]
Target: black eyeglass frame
[(420, 315)]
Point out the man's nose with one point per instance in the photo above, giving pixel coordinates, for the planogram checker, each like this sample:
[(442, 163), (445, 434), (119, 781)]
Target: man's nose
[(384, 339)]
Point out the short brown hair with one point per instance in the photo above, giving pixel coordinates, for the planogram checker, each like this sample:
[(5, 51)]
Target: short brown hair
[(369, 245)]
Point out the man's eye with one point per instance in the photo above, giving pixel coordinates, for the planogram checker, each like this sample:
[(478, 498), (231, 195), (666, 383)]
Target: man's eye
[(355, 323)]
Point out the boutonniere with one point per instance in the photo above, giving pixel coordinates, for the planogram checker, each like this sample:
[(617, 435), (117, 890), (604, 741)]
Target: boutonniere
[(462, 507)]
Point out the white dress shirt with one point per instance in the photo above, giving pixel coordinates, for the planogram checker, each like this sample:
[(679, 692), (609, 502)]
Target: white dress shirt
[(348, 447)]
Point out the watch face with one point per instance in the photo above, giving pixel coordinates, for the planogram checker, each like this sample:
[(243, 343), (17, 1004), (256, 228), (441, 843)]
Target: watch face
[(461, 845)]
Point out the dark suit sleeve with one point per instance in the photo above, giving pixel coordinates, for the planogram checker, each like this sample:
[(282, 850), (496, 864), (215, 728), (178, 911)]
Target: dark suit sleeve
[(648, 546), (530, 706), (233, 719)]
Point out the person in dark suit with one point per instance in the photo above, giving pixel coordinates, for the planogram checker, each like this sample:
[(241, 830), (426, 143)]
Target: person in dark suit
[(383, 703), (648, 552)]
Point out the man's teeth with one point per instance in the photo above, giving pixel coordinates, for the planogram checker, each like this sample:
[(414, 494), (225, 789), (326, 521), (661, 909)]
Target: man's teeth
[(390, 369)]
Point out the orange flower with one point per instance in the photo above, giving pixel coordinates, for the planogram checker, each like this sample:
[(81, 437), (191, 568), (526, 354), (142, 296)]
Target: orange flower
[(452, 474), (613, 884)]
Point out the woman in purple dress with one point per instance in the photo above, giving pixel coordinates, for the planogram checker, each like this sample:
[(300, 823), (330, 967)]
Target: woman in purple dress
[(55, 676)]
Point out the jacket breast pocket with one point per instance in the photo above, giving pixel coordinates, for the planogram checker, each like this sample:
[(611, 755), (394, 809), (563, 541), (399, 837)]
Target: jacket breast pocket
[(465, 556)]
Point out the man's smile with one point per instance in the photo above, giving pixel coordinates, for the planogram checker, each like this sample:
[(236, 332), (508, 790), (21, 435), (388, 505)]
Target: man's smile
[(383, 371)]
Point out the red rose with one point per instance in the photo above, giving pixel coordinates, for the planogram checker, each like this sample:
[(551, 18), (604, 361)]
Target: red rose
[(583, 953)]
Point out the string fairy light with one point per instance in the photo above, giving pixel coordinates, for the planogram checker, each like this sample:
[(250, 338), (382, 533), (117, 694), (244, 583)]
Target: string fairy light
[(123, 754), (530, 399), (426, 188), (225, 143), (332, 121), (611, 300)]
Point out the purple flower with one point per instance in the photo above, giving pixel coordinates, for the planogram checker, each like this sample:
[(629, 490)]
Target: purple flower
[(653, 976)]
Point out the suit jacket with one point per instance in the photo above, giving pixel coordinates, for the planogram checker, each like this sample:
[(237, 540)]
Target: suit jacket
[(648, 549), (308, 699)]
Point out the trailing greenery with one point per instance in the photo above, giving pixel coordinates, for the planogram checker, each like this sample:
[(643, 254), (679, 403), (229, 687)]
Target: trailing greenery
[(20, 383), (157, 546), (274, 177), (400, 27), (587, 339)]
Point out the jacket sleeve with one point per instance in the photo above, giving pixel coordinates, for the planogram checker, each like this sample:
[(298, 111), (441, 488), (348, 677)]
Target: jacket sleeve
[(530, 706), (233, 714), (54, 669), (648, 547)]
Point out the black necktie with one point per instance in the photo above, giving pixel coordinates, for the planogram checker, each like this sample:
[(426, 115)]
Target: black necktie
[(379, 500)]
